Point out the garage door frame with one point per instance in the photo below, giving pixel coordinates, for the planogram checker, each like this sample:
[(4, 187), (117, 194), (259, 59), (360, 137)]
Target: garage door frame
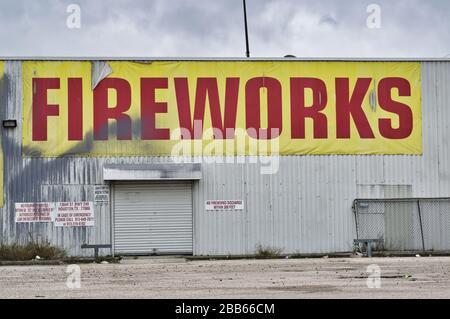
[(113, 210), (152, 172)]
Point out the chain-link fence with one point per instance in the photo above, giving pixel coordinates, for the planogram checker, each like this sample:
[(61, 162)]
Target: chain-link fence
[(409, 224)]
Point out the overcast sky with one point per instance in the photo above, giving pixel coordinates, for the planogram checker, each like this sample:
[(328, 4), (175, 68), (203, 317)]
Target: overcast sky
[(214, 28)]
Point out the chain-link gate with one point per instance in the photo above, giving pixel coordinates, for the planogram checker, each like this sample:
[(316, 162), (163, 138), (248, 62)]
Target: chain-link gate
[(407, 224)]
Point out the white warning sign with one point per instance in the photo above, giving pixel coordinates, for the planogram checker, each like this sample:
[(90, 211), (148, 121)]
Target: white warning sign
[(224, 204), (34, 212), (101, 194), (70, 214)]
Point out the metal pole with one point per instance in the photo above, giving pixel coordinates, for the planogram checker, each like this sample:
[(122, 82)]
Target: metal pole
[(369, 249), (421, 226), (247, 52), (355, 211)]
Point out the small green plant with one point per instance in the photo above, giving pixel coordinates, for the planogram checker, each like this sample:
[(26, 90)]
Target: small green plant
[(15, 252), (267, 251)]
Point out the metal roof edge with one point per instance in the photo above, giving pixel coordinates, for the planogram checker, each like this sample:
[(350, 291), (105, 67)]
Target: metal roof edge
[(150, 59)]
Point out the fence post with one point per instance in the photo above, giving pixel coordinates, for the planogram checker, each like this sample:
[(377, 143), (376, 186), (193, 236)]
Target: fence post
[(421, 226), (355, 211)]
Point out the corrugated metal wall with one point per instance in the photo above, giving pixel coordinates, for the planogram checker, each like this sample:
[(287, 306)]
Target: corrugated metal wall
[(305, 207)]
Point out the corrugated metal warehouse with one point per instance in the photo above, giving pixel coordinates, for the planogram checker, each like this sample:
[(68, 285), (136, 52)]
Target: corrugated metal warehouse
[(155, 204)]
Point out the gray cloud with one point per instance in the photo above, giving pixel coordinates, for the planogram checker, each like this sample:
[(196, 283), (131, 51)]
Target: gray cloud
[(321, 28)]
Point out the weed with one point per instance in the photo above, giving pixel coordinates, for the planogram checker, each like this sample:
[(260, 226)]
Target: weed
[(267, 251), (30, 251)]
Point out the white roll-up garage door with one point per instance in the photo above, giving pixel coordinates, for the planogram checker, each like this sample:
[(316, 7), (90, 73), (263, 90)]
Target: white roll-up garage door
[(153, 218)]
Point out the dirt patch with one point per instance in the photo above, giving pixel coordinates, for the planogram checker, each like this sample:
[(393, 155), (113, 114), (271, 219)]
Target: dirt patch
[(307, 288), (293, 270), (382, 277), (341, 269)]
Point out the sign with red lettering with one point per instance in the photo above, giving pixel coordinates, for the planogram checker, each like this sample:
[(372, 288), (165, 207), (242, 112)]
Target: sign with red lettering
[(70, 214), (215, 108), (224, 204), (34, 212)]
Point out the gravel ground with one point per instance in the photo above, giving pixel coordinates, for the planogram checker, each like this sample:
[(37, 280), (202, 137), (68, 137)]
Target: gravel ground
[(413, 277)]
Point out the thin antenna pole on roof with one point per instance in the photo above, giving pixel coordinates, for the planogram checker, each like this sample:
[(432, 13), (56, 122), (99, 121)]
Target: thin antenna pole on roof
[(247, 52)]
